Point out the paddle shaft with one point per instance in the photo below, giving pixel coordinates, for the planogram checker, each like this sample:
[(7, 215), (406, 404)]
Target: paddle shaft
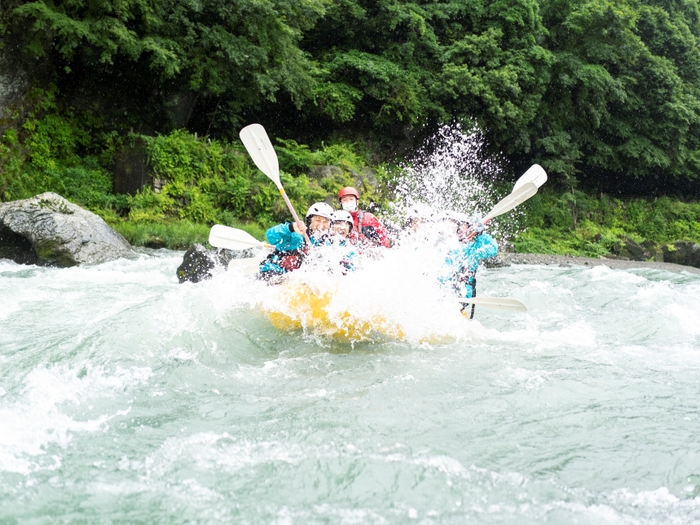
[(294, 213)]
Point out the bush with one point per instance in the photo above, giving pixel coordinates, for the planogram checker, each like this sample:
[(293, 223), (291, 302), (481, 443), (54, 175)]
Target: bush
[(603, 223), (206, 181)]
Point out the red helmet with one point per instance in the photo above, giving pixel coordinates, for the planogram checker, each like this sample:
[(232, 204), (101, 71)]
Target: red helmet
[(349, 190)]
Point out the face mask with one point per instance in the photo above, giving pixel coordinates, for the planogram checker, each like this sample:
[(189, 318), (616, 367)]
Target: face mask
[(349, 205)]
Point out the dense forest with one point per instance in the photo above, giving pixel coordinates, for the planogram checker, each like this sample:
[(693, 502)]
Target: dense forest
[(604, 94)]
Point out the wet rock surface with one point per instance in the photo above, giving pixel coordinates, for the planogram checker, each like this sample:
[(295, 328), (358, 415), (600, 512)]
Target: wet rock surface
[(48, 230), (200, 263), (682, 252)]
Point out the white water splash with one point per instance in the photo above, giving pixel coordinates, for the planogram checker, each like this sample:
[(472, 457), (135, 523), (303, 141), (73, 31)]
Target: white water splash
[(451, 173)]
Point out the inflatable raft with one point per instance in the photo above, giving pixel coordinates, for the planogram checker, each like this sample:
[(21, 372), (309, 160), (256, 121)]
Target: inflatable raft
[(317, 310)]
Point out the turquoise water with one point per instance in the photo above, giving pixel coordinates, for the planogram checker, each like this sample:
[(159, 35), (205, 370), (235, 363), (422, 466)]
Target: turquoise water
[(128, 398)]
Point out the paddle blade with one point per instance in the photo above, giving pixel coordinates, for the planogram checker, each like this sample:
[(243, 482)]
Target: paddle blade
[(260, 149), (247, 266), (509, 202), (535, 174), (497, 303), (232, 238)]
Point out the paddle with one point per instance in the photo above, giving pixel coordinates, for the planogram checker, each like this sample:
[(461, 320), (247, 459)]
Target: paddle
[(260, 149), (233, 239), (525, 187), (498, 303), (534, 174), (507, 203)]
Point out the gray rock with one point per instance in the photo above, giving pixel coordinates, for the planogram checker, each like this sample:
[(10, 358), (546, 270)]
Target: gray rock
[(627, 249), (497, 261), (51, 231), (322, 172), (686, 253), (14, 80), (199, 263), (130, 169), (652, 251), (366, 176)]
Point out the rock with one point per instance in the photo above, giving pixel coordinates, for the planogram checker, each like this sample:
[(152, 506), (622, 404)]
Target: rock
[(199, 263), (15, 79), (497, 261), (652, 251), (323, 172), (686, 253), (196, 266), (48, 230), (365, 177), (629, 250), (154, 242), (130, 169)]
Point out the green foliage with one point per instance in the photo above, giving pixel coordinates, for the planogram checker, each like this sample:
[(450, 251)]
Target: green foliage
[(353, 164), (238, 53), (176, 235), (51, 149), (604, 91), (604, 223), (206, 182), (200, 181), (392, 64)]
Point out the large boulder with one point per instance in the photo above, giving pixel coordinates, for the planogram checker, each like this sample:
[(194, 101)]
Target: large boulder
[(686, 253), (48, 230)]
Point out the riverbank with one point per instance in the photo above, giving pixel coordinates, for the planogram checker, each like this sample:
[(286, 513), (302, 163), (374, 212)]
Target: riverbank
[(508, 259)]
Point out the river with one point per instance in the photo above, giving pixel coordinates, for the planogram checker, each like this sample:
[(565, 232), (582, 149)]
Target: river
[(126, 397)]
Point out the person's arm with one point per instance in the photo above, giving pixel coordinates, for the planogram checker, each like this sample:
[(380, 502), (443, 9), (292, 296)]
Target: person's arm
[(284, 237), (485, 246), (374, 230)]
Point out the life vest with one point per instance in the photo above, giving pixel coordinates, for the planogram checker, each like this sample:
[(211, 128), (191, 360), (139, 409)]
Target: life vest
[(286, 262), (373, 231)]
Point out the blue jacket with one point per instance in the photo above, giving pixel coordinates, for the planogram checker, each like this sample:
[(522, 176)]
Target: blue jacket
[(464, 262), (290, 249)]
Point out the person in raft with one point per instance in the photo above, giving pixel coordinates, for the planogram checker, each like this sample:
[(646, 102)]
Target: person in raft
[(290, 246), (369, 230), (475, 245), (342, 227)]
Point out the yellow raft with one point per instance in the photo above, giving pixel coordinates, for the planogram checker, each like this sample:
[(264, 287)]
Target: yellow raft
[(308, 308)]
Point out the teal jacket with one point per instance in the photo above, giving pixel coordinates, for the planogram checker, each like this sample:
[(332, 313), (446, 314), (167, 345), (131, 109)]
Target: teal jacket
[(464, 262), (290, 250)]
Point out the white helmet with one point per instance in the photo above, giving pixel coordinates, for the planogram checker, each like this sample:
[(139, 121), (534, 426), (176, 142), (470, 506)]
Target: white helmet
[(459, 217), (342, 215), (321, 209)]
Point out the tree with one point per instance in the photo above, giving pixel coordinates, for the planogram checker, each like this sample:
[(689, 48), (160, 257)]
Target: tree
[(622, 96), (230, 55)]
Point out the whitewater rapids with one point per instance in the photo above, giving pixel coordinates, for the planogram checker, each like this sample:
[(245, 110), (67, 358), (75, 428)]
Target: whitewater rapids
[(128, 398)]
